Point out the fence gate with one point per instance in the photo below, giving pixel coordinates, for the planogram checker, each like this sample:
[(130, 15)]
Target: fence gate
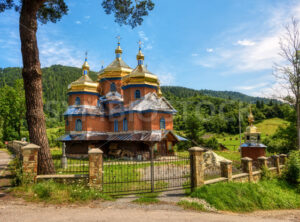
[(156, 174)]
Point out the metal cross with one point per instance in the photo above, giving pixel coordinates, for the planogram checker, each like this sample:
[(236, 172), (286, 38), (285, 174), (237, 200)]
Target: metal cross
[(118, 37), (86, 53)]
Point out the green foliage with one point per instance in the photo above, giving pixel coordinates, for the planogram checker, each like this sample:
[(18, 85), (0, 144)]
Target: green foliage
[(53, 192), (193, 129), (243, 197), (12, 110), (128, 12), (292, 170), (212, 143), (266, 173)]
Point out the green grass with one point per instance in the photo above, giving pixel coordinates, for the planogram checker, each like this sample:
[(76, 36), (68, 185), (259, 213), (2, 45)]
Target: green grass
[(57, 193), (247, 197), (147, 198), (234, 156), (191, 205)]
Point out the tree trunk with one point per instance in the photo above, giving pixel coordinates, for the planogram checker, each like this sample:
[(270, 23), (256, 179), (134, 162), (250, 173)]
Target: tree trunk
[(32, 76), (298, 122)]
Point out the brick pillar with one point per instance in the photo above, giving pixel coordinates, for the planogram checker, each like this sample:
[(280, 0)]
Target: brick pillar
[(30, 161), (95, 167), (226, 169), (283, 159), (197, 167), (276, 163), (263, 161), (247, 167)]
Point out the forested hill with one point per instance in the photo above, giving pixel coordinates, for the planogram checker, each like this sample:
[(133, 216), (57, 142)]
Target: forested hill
[(57, 78), (184, 92)]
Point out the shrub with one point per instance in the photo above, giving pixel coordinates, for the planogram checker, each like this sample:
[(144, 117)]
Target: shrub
[(265, 173), (292, 171), (242, 197), (212, 143)]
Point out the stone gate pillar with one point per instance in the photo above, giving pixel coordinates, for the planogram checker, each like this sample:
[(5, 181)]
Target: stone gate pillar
[(226, 169), (30, 161), (197, 167), (95, 167), (247, 167)]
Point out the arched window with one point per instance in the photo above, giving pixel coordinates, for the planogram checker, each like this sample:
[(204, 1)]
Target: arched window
[(98, 103), (162, 123), (78, 125), (116, 128), (77, 101), (137, 94), (113, 87), (125, 124), (67, 122)]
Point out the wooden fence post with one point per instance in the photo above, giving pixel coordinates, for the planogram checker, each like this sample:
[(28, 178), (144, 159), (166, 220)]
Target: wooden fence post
[(197, 167), (95, 168), (226, 169), (247, 167), (30, 161)]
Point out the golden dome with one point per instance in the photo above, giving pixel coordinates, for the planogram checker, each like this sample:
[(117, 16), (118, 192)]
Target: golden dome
[(159, 93), (117, 69), (141, 75), (84, 83)]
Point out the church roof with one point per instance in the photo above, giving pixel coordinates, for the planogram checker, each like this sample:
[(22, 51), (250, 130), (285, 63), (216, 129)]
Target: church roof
[(151, 136), (149, 102), (83, 110)]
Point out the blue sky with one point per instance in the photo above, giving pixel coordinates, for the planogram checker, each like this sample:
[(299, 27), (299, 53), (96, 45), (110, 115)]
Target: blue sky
[(200, 44)]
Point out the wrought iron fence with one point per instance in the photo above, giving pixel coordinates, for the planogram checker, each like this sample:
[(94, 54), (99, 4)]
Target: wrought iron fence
[(133, 176), (70, 165)]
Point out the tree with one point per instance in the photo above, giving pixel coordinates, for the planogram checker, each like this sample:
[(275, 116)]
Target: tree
[(31, 11), (12, 110), (288, 74)]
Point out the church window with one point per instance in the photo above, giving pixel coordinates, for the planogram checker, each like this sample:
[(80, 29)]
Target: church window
[(116, 126), (78, 125), (98, 103), (162, 123), (113, 87), (137, 94), (67, 122), (77, 101), (125, 124)]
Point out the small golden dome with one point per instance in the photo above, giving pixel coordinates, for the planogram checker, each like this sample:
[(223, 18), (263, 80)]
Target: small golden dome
[(141, 75), (250, 117), (118, 51)]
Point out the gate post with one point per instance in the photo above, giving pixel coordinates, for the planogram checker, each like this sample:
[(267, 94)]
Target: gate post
[(226, 169), (197, 167), (95, 168), (64, 161), (263, 162), (30, 161), (247, 167), (283, 158)]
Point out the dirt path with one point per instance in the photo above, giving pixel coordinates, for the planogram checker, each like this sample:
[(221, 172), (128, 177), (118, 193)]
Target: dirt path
[(16, 210)]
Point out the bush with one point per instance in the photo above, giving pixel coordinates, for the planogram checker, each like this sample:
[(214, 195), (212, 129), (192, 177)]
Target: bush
[(212, 143), (266, 173), (242, 197), (292, 171)]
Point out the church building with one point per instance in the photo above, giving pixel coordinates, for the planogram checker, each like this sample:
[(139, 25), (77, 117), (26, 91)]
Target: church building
[(123, 113)]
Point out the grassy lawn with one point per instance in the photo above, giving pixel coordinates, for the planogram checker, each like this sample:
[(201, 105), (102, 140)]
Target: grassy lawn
[(246, 197)]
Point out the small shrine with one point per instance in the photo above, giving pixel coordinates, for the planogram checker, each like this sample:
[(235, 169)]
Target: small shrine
[(252, 147)]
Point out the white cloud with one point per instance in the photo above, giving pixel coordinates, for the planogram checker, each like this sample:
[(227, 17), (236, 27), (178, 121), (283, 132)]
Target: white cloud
[(209, 50), (245, 42), (145, 40), (78, 22), (87, 17), (252, 87), (195, 54)]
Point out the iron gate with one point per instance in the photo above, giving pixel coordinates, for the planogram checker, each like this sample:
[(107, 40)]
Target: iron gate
[(156, 174)]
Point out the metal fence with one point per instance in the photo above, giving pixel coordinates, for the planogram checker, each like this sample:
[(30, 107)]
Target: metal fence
[(70, 165), (134, 176)]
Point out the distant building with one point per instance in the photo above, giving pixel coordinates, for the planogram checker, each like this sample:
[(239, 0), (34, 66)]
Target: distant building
[(252, 147), (123, 113)]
